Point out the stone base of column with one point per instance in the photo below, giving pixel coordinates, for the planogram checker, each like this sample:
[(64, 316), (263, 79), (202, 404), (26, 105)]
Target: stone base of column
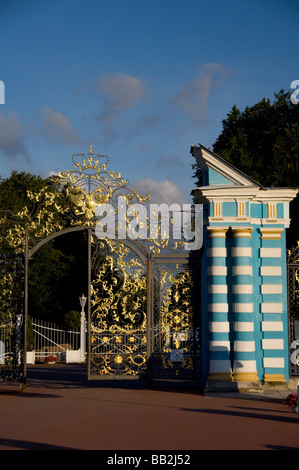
[(245, 377), (232, 387), (220, 377), (274, 378)]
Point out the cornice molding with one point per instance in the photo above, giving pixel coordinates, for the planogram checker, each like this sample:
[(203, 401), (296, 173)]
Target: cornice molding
[(240, 186)]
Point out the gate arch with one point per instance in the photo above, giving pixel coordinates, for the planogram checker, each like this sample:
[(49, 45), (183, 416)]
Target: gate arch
[(53, 236), (168, 344)]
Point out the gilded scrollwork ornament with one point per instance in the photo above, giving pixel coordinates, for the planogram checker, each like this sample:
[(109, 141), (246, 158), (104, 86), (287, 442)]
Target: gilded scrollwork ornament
[(119, 290)]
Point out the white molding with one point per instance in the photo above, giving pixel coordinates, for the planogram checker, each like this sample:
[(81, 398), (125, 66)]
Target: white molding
[(217, 252), (272, 344), (209, 159), (219, 327), (270, 252), (240, 307), (271, 289), (272, 326), (241, 252), (271, 233), (239, 186), (218, 307), (244, 346), (217, 346), (243, 326), (217, 289), (275, 362), (272, 307), (217, 270), (242, 289), (273, 195), (242, 270), (270, 270)]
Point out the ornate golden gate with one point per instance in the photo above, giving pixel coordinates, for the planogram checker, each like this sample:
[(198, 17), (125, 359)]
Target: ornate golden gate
[(175, 320), (143, 317), (293, 308), (118, 321)]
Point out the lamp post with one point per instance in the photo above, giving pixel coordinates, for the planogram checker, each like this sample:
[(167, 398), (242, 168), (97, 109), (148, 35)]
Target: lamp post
[(82, 329)]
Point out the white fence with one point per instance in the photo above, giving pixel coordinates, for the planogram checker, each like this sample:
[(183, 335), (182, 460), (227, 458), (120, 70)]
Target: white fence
[(5, 343), (50, 340), (53, 342)]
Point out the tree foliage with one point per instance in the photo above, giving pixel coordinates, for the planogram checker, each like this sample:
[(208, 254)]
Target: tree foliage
[(58, 269), (73, 319), (58, 276), (14, 190), (263, 142)]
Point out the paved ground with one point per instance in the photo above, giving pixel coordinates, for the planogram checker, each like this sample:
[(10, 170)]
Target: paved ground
[(58, 410)]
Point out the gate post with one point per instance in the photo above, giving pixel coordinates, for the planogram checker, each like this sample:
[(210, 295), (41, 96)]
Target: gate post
[(257, 316), (244, 325), (274, 307), (25, 309), (218, 321), (82, 330), (89, 267), (149, 321)]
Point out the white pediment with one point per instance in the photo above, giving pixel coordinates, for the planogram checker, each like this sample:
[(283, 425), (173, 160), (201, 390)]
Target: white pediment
[(224, 182), (220, 172)]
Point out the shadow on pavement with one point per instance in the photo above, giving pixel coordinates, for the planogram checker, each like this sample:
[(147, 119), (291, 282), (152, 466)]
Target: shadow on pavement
[(27, 445), (245, 414), (58, 376), (75, 376)]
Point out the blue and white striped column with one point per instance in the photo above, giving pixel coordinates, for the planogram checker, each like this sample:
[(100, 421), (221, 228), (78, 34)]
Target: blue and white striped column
[(219, 344), (273, 307), (244, 349)]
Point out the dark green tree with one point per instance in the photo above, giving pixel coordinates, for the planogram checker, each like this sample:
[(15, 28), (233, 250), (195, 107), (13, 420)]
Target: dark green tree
[(263, 142), (13, 190), (73, 319), (58, 270), (58, 276)]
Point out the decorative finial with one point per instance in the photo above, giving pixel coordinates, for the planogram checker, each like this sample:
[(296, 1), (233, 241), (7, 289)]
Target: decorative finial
[(90, 149)]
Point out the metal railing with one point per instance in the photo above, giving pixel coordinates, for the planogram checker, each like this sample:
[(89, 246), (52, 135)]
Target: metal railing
[(6, 343), (53, 340)]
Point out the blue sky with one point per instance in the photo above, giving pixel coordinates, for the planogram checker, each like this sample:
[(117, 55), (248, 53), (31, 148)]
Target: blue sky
[(141, 81)]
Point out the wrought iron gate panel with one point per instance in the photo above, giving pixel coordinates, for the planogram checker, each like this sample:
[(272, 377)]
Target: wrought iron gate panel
[(12, 322), (175, 323), (118, 320), (142, 318), (293, 308)]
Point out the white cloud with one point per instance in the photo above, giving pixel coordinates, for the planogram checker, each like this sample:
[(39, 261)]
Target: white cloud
[(194, 96), (53, 173), (12, 140), (121, 92), (56, 128), (163, 192)]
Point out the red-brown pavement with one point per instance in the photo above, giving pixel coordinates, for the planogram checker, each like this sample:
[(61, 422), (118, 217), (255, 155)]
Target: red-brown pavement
[(58, 410)]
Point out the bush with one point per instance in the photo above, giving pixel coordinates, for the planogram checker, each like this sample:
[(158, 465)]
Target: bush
[(73, 319), (292, 400)]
